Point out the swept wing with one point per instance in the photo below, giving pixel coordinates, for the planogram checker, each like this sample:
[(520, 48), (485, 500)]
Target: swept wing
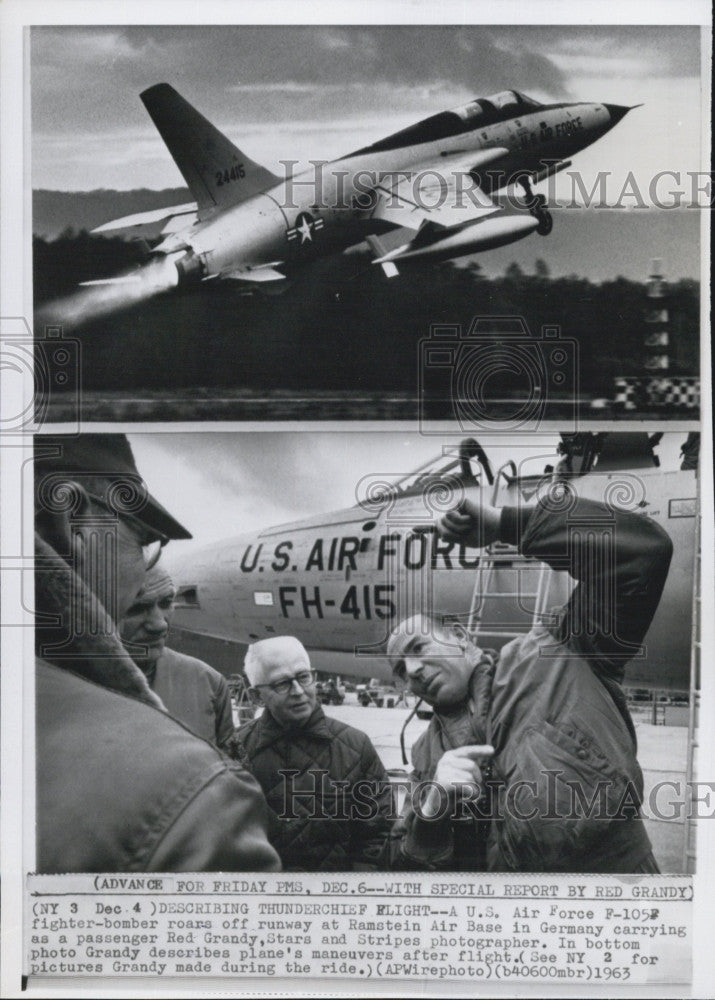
[(439, 191), (156, 222)]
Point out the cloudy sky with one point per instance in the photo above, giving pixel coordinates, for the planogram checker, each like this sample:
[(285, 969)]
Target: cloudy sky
[(310, 91), (224, 484), (220, 485)]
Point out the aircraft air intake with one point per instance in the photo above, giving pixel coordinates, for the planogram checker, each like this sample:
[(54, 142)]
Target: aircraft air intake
[(617, 112)]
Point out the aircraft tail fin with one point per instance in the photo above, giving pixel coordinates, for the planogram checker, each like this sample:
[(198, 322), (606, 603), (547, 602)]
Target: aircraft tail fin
[(217, 172)]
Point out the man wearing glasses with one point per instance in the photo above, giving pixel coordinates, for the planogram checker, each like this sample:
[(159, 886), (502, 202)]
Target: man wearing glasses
[(322, 778), (191, 690), (120, 784)]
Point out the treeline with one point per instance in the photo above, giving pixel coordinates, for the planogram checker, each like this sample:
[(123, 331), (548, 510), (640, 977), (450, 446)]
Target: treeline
[(343, 325), (58, 266)]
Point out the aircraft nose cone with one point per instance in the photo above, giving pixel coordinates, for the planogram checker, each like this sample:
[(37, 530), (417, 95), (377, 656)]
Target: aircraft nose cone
[(616, 111)]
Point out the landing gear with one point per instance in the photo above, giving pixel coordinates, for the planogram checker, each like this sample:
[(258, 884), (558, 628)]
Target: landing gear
[(536, 205), (546, 221)]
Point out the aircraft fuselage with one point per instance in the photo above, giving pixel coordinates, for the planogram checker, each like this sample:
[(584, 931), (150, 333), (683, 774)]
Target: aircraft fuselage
[(326, 209), (338, 581)]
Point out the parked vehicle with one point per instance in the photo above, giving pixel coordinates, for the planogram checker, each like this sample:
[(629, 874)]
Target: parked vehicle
[(376, 693), (330, 692)]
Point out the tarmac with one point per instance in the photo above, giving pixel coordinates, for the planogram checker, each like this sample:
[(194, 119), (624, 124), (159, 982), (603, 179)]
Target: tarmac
[(662, 754), (206, 403)]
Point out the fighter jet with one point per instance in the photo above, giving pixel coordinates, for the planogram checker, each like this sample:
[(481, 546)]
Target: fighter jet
[(433, 184), (338, 580)]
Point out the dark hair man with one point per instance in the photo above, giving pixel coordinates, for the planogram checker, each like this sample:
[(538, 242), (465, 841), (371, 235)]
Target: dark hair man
[(546, 719), (322, 778), (121, 786), (190, 689)]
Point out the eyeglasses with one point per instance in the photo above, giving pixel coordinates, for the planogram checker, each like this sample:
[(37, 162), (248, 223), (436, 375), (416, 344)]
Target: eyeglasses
[(305, 678), (151, 543)]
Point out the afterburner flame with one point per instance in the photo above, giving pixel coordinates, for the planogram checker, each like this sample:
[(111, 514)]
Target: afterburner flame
[(92, 301)]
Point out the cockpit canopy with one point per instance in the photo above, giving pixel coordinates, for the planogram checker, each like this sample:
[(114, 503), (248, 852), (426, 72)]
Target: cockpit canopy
[(496, 107), (481, 111)]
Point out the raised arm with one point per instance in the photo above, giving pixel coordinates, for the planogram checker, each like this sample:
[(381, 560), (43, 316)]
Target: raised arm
[(620, 561)]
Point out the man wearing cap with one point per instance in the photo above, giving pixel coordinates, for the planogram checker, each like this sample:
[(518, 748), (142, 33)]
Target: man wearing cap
[(321, 777), (191, 690), (121, 786), (529, 762)]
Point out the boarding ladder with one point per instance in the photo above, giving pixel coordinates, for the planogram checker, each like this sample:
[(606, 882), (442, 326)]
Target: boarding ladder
[(689, 826), (495, 556), (243, 707)]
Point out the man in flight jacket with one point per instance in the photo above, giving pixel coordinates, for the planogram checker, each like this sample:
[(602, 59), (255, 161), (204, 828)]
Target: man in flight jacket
[(539, 736)]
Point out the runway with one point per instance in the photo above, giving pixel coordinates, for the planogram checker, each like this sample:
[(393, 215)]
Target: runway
[(205, 403)]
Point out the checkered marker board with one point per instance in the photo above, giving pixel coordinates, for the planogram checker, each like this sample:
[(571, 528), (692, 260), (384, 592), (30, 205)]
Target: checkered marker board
[(639, 393)]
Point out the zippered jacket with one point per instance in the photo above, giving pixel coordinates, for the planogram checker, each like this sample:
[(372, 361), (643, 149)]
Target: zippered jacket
[(565, 790)]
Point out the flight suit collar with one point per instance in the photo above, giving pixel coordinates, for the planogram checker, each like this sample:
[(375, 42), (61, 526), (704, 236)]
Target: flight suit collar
[(480, 695), (479, 698), (430, 747)]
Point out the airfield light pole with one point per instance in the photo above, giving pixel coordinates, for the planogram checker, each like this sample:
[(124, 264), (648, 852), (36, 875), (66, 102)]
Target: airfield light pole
[(658, 388), (657, 339)]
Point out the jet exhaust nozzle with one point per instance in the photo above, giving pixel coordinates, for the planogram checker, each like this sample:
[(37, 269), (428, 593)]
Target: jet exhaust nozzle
[(190, 269)]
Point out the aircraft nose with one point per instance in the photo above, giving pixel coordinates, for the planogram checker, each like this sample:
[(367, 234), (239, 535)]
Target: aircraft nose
[(617, 111)]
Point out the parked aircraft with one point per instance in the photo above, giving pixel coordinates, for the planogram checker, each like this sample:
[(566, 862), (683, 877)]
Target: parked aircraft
[(338, 580), (432, 186)]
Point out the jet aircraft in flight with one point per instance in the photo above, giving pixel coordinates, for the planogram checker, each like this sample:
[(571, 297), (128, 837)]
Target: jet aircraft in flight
[(339, 580), (432, 187)]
